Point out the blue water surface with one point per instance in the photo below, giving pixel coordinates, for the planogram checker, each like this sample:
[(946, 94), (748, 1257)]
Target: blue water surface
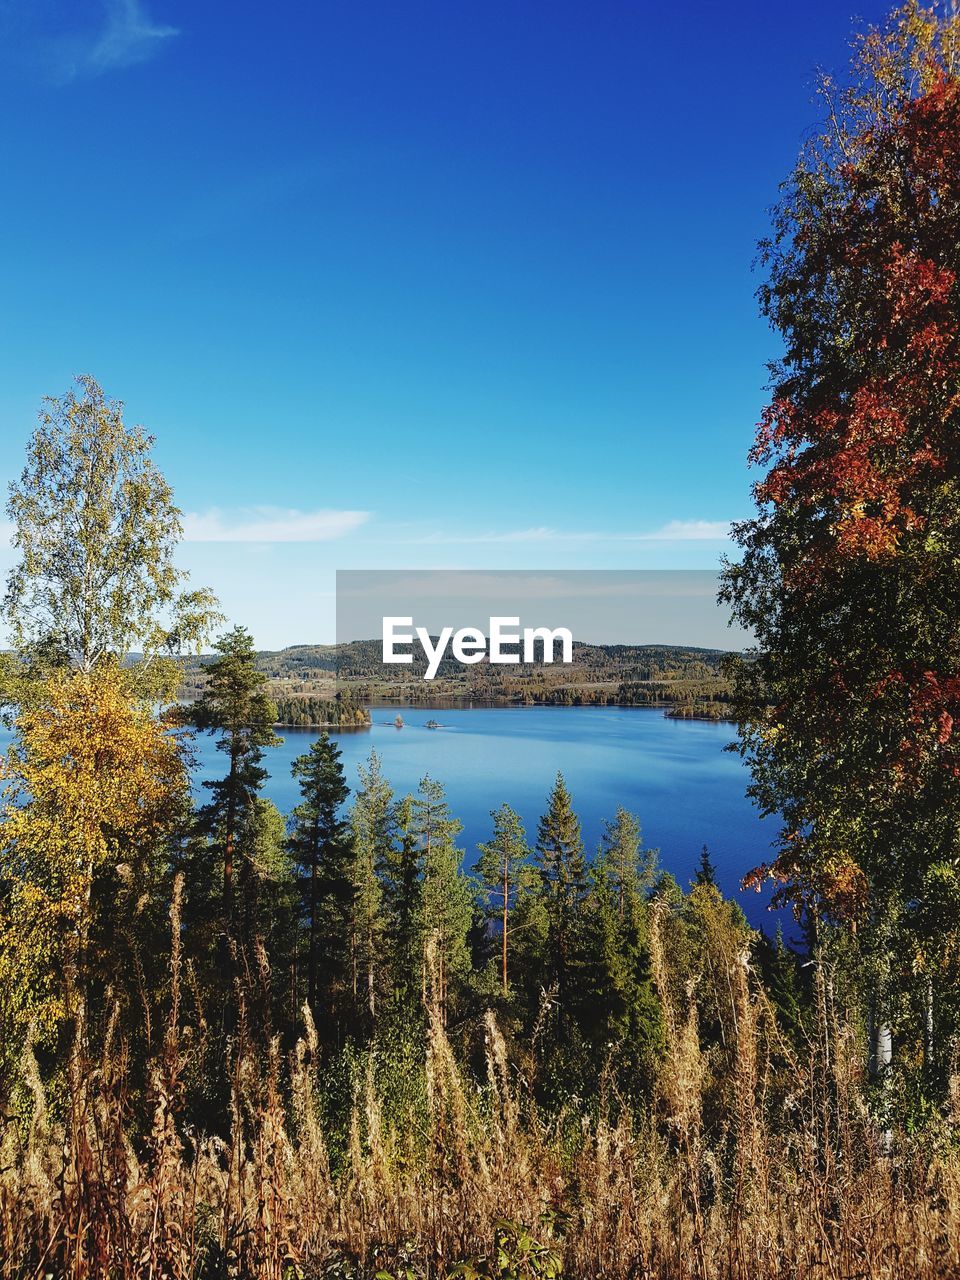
[(675, 775)]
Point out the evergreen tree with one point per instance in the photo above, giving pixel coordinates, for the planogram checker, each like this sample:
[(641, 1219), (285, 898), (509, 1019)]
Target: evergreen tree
[(780, 970), (446, 902), (616, 1004), (234, 706), (502, 867), (563, 874), (320, 846), (706, 871), (401, 866), (373, 826), (267, 915), (630, 868)]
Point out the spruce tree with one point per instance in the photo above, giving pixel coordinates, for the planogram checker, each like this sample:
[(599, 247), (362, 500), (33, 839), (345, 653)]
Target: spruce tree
[(563, 874), (615, 1001), (230, 827), (320, 846), (502, 866), (631, 868), (372, 827), (446, 903), (706, 871), (401, 878), (235, 706)]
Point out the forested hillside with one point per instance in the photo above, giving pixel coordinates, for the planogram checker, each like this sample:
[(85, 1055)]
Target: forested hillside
[(324, 685)]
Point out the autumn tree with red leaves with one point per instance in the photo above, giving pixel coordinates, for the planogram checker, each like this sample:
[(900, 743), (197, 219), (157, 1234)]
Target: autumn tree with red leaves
[(850, 570)]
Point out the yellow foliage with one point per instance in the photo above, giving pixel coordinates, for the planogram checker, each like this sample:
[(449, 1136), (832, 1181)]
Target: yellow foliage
[(93, 780)]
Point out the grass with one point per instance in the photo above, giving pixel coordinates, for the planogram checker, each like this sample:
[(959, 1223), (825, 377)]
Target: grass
[(751, 1161)]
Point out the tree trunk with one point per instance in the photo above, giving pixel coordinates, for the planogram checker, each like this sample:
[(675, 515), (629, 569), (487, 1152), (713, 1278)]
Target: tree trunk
[(506, 903), (314, 926)]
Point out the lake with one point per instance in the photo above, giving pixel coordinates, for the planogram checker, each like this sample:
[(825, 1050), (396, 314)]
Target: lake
[(674, 774), (686, 790)]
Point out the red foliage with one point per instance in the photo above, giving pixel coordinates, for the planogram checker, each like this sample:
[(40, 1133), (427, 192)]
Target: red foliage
[(862, 454)]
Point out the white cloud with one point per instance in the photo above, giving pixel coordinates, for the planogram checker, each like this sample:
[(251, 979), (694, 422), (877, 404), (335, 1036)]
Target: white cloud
[(690, 531), (128, 36), (672, 531), (270, 524)]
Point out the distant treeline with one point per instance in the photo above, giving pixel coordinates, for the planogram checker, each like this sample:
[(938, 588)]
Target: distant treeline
[(322, 685), (341, 711)]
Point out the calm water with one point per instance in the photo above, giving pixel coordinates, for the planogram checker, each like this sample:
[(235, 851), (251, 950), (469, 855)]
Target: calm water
[(675, 775)]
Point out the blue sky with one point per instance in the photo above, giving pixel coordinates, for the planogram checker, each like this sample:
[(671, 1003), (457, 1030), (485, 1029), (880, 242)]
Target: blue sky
[(406, 285)]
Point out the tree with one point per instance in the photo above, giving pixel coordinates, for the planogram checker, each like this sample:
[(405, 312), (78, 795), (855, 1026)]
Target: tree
[(706, 872), (320, 845), (446, 906), (235, 706), (400, 866), (780, 969), (372, 827), (630, 868), (502, 867), (563, 874), (848, 703), (96, 528), (614, 999), (96, 788)]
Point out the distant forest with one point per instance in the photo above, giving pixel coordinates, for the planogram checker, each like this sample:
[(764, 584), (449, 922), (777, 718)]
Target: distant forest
[(330, 686)]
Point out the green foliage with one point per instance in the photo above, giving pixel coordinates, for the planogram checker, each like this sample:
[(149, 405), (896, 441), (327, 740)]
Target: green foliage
[(234, 706), (706, 872), (504, 872), (343, 710), (517, 1254), (321, 848), (616, 1005), (96, 528), (562, 866), (446, 904), (780, 972), (847, 577)]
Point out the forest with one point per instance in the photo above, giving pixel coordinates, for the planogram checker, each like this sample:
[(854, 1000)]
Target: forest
[(328, 685), (237, 1043)]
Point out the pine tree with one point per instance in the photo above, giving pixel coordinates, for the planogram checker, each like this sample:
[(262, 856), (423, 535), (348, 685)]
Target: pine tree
[(616, 1005), (706, 871), (446, 903), (235, 706), (563, 873), (501, 867), (401, 877), (320, 846), (630, 868), (373, 827)]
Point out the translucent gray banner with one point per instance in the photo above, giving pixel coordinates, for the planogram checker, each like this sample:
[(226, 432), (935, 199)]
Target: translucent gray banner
[(425, 624)]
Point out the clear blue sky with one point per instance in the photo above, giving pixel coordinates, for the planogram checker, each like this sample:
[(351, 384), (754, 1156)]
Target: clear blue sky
[(406, 285)]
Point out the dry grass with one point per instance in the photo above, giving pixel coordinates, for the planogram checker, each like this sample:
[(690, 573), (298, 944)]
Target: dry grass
[(790, 1179)]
